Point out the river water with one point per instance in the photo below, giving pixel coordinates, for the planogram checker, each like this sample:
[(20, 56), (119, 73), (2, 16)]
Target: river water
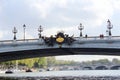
[(59, 75)]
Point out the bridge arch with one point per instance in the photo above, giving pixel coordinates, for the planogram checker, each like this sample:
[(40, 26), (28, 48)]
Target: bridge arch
[(87, 68), (117, 67), (31, 48), (101, 68)]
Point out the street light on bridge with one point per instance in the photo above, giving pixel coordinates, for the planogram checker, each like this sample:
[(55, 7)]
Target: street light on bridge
[(40, 30), (24, 27), (14, 32), (81, 27), (109, 26)]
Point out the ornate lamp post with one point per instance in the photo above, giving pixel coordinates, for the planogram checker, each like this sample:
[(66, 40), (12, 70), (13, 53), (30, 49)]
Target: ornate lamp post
[(40, 30), (14, 32), (109, 26), (81, 27), (24, 27)]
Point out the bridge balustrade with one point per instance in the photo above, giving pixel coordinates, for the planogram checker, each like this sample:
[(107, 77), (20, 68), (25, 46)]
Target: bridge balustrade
[(92, 39), (10, 42)]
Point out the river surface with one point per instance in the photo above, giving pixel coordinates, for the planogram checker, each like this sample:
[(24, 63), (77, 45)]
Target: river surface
[(49, 74)]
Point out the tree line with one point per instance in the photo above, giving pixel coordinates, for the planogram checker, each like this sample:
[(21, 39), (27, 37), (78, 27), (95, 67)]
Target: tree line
[(44, 62)]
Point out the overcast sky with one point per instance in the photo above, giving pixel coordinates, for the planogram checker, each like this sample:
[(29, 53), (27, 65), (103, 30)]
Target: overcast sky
[(57, 15)]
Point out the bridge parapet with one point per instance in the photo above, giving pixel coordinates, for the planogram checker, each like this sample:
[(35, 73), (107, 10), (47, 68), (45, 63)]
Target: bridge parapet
[(78, 41), (94, 38)]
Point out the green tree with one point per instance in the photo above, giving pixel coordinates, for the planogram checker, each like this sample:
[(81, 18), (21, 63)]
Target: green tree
[(103, 61), (116, 61), (42, 62)]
